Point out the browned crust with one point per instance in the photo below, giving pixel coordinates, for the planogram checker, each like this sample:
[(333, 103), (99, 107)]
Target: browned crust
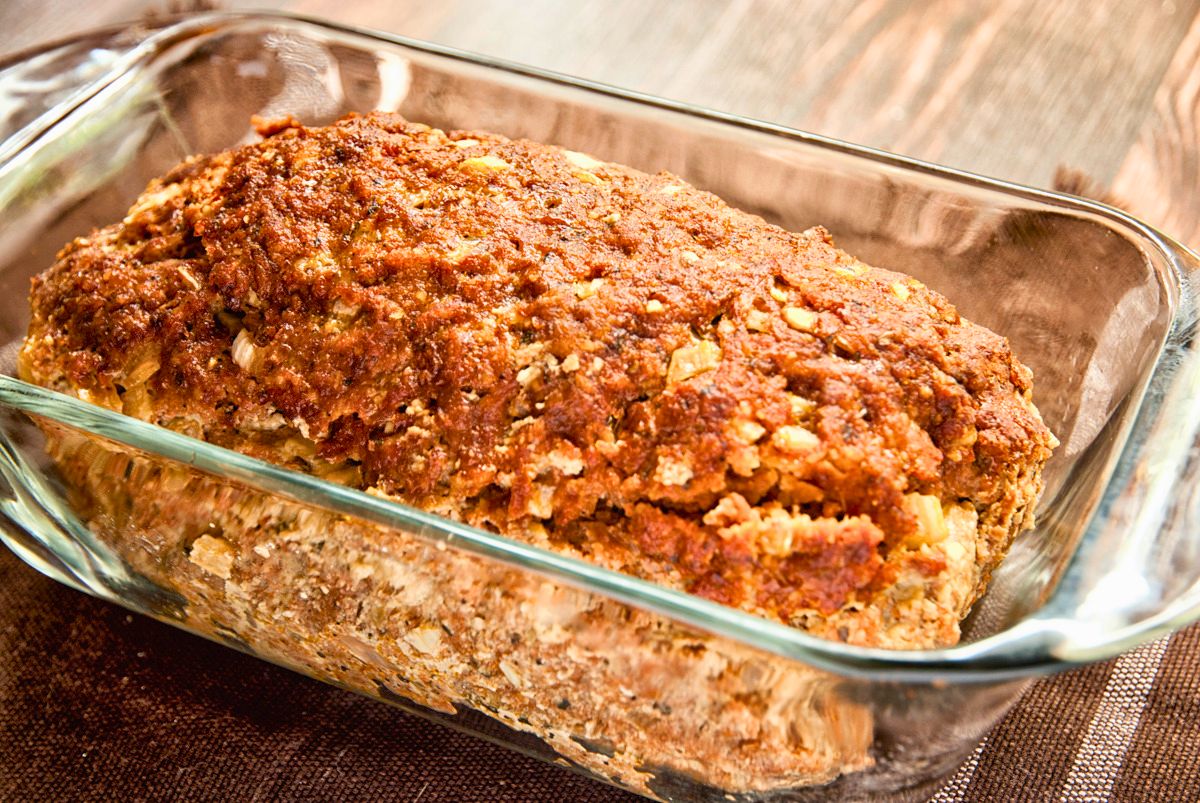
[(575, 353)]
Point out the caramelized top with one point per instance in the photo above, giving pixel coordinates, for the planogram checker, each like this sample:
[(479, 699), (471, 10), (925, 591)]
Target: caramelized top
[(552, 346)]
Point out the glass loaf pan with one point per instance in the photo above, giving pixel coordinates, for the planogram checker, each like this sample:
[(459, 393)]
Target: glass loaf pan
[(665, 694)]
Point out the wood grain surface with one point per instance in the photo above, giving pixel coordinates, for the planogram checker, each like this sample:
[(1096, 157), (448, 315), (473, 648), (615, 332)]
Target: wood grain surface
[(1010, 88), (1016, 89), (1160, 177)]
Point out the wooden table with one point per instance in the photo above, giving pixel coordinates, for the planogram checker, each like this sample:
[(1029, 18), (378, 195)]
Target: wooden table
[(1012, 88)]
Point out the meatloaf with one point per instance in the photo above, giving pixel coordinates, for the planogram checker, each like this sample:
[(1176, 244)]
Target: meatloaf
[(605, 363)]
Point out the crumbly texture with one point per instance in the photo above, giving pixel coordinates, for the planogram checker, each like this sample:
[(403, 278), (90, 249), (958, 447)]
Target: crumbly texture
[(567, 351), (605, 363), (631, 697)]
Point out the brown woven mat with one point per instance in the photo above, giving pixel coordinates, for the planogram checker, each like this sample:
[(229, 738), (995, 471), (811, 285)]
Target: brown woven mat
[(98, 704)]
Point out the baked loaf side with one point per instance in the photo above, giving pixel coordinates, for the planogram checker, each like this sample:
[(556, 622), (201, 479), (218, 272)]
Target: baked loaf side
[(603, 362), (631, 697)]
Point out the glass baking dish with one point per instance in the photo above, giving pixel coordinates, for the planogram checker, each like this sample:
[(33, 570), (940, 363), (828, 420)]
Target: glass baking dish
[(659, 692)]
